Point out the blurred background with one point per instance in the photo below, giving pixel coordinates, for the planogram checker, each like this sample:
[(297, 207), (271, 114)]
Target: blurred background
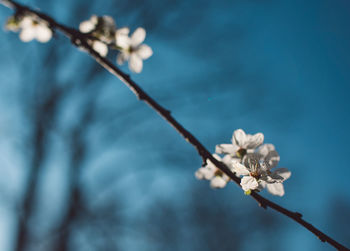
[(85, 166)]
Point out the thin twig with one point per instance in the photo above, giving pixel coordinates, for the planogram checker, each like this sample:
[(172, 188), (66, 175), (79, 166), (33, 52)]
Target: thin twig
[(80, 40)]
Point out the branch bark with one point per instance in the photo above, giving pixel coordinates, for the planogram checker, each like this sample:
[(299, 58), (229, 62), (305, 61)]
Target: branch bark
[(80, 40)]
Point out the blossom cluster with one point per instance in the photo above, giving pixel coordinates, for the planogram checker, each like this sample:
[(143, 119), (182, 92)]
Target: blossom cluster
[(247, 157), (106, 35), (101, 34), (30, 27)]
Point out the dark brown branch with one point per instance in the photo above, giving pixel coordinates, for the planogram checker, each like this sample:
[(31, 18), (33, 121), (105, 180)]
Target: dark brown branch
[(80, 40)]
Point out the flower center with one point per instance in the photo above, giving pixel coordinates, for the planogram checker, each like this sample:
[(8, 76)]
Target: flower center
[(218, 173), (132, 49), (255, 175), (241, 152), (35, 23)]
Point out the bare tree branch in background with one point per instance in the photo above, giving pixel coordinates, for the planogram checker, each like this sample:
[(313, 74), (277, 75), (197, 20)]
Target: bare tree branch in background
[(78, 153), (44, 115)]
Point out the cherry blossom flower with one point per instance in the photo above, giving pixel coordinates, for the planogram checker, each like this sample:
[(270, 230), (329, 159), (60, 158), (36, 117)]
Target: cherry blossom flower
[(30, 27), (252, 160), (257, 174), (269, 155), (133, 50), (217, 178), (122, 34), (89, 25), (242, 144), (100, 47), (276, 188), (103, 29)]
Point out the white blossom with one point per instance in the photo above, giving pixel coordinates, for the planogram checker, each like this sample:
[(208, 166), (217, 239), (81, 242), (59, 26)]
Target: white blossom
[(242, 144), (276, 188), (89, 25), (122, 35), (133, 50), (102, 28), (30, 28), (247, 157), (256, 171), (249, 183), (217, 178), (100, 47)]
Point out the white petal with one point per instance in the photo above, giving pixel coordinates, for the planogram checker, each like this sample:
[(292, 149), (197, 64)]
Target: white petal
[(227, 160), (262, 184), (26, 22), (250, 150), (225, 177), (272, 159), (249, 183), (199, 174), (239, 169), (218, 182), (265, 149), (27, 34), (144, 51), (226, 149), (123, 41), (43, 33), (209, 170), (86, 26), (100, 47), (108, 22), (204, 173), (122, 57), (253, 141), (272, 178), (208, 173), (135, 63), (275, 189), (122, 32), (239, 138), (94, 19), (138, 37), (283, 172)]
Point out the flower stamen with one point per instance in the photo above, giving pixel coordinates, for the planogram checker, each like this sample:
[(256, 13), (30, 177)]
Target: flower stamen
[(255, 175)]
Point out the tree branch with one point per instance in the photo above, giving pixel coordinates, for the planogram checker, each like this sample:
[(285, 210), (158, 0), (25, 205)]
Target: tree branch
[(80, 40)]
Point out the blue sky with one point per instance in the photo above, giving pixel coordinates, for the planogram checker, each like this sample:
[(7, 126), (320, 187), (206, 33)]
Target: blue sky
[(277, 67)]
